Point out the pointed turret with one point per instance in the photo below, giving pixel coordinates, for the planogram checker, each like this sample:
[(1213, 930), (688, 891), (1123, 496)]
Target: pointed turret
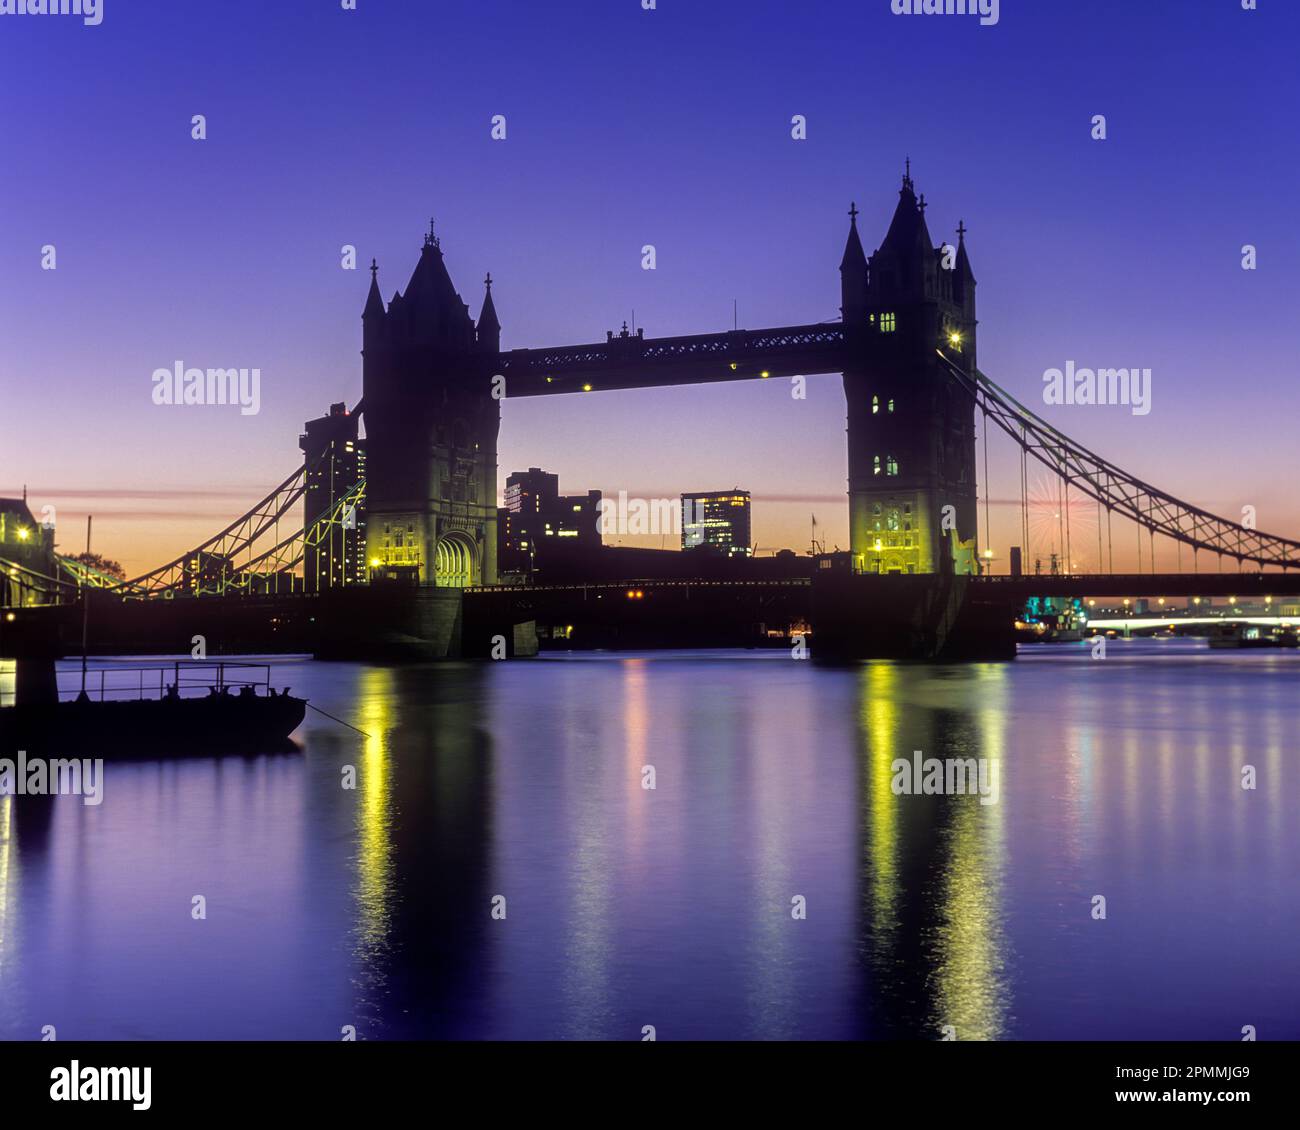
[(903, 266), (373, 316), (853, 274), (488, 331), (431, 310), (963, 278), (374, 300)]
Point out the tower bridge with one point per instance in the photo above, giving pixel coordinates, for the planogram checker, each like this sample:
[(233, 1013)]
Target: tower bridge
[(433, 378)]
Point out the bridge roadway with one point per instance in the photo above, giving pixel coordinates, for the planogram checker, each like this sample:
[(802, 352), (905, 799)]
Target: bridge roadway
[(632, 361), (660, 612)]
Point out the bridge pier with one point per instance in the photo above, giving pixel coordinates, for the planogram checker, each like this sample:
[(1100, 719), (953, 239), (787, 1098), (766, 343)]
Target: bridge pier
[(34, 682), (946, 618)]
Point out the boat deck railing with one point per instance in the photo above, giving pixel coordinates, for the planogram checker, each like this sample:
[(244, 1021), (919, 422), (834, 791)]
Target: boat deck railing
[(119, 683)]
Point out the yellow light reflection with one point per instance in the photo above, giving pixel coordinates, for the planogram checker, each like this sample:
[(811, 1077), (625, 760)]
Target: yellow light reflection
[(879, 720), (374, 815), (970, 977)]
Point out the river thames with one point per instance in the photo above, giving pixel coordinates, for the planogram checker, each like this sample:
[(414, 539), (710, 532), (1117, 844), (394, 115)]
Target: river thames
[(501, 872)]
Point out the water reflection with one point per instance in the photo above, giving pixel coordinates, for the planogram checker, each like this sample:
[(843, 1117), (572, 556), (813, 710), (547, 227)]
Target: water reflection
[(671, 906), (932, 910)]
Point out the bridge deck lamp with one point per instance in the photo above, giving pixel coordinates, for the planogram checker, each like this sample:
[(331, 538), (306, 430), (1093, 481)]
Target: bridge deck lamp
[(586, 388), (24, 533), (375, 563), (765, 374)]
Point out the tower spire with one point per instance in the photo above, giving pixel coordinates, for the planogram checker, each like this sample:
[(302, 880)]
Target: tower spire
[(488, 331), (853, 274), (374, 300)]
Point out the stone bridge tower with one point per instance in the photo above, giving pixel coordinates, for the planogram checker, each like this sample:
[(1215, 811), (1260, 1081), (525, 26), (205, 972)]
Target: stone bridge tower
[(911, 427), (431, 432)]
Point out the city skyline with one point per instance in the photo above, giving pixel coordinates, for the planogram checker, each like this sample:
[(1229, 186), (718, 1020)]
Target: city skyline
[(166, 275)]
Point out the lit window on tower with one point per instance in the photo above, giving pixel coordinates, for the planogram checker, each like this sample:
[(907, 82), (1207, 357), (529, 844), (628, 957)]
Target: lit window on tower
[(875, 405), (888, 323), (891, 467), (875, 465)]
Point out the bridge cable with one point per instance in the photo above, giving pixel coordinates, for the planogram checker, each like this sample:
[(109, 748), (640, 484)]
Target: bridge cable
[(1099, 536), (988, 528)]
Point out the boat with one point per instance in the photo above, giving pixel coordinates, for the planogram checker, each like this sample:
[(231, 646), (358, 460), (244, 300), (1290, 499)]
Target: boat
[(1252, 636), (204, 710)]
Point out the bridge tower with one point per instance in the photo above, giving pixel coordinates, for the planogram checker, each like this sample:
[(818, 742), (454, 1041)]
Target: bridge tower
[(911, 429), (431, 432)]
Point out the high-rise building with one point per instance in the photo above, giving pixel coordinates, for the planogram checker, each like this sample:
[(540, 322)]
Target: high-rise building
[(717, 521), (537, 520), (336, 462)]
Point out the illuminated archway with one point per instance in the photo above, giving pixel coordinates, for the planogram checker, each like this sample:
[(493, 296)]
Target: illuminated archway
[(455, 561)]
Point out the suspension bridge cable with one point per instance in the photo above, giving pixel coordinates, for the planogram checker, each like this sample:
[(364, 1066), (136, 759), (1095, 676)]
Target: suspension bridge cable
[(988, 528)]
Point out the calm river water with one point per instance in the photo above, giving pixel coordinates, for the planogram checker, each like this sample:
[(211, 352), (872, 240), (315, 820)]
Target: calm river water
[(676, 906)]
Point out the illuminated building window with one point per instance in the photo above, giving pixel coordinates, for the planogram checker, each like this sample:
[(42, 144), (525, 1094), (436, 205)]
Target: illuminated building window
[(891, 406), (888, 323), (875, 465), (891, 466), (875, 405)]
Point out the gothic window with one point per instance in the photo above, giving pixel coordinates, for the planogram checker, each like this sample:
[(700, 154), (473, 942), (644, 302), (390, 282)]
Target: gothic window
[(891, 467), (875, 465), (893, 519), (888, 323), (891, 406), (875, 405)]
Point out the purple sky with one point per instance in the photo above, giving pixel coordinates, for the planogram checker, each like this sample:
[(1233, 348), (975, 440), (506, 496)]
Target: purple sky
[(626, 127)]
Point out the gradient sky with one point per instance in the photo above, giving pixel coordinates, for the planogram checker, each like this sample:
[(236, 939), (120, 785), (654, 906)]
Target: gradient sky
[(626, 127)]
